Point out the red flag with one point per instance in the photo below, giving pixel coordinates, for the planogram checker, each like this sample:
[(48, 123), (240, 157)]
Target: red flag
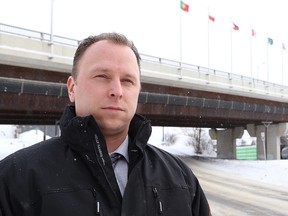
[(235, 27), (212, 18), (184, 7), (253, 33)]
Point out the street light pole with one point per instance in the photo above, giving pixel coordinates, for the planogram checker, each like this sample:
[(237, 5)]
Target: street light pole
[(266, 124), (51, 22), (51, 42), (163, 135), (258, 67)]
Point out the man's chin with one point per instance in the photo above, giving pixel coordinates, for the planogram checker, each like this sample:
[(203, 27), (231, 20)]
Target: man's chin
[(113, 127)]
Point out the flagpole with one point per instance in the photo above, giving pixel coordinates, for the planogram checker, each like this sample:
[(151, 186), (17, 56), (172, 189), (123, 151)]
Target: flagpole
[(282, 65), (251, 57), (208, 36), (51, 42), (267, 61), (51, 22), (180, 39), (231, 60)]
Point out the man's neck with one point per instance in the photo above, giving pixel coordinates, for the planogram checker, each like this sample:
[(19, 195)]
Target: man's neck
[(113, 142)]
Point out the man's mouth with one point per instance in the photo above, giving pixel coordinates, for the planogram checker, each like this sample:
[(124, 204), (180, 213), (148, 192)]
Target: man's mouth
[(113, 108)]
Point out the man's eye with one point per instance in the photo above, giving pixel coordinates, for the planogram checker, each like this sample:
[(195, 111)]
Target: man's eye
[(101, 76), (128, 81)]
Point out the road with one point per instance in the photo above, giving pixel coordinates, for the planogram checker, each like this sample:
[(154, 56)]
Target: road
[(233, 195)]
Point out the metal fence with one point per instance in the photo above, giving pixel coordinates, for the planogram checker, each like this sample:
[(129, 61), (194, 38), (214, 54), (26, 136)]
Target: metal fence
[(37, 35), (8, 29)]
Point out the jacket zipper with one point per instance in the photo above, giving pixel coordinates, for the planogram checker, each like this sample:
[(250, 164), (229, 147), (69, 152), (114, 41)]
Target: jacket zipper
[(97, 202), (159, 203), (101, 160)]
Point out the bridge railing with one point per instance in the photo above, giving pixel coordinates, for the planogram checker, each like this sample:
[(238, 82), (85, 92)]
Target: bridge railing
[(37, 35), (209, 71), (9, 29)]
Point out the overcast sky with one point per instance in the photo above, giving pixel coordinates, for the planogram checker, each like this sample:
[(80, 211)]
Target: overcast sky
[(158, 26)]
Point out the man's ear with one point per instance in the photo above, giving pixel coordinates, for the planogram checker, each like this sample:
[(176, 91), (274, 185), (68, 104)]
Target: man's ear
[(70, 86)]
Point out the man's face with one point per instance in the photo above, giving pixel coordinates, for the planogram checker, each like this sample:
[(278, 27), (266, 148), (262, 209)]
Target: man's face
[(107, 86)]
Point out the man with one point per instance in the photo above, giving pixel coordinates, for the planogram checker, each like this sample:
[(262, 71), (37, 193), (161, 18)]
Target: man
[(74, 174)]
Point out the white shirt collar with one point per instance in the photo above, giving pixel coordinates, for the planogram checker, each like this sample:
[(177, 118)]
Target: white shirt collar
[(123, 149)]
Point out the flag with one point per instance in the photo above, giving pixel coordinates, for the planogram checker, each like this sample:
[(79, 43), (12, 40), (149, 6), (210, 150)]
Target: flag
[(212, 18), (235, 27), (253, 33), (184, 7), (283, 46), (270, 41)]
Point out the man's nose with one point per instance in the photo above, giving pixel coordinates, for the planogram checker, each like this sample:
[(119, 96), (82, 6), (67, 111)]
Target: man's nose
[(116, 89)]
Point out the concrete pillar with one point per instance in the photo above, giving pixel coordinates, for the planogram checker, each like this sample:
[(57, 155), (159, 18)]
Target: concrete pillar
[(226, 141), (258, 131), (274, 132), (251, 130), (260, 136), (273, 140)]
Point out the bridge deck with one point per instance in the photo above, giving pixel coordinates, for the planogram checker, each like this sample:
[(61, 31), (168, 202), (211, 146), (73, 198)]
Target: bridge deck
[(33, 72)]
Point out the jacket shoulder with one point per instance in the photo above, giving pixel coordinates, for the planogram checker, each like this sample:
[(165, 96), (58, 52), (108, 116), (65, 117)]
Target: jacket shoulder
[(169, 159), (30, 155)]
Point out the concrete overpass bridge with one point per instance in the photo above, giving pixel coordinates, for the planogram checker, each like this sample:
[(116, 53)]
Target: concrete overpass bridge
[(34, 67)]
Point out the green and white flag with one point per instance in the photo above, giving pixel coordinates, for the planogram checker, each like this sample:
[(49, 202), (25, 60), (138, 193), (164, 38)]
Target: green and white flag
[(270, 41)]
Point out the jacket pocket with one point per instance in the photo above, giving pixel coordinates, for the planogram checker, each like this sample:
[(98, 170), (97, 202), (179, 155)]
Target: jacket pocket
[(65, 201), (171, 201)]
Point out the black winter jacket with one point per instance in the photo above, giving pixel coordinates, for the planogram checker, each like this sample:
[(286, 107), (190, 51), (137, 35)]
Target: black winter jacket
[(72, 175)]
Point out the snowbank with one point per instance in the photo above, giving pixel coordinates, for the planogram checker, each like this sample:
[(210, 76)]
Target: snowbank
[(271, 171), (8, 144)]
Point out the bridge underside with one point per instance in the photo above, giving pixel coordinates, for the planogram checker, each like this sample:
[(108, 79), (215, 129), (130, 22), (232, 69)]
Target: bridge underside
[(24, 101), (39, 109), (200, 117)]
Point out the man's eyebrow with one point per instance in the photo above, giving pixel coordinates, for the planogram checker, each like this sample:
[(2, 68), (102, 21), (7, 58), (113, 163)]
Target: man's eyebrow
[(107, 70), (101, 69), (130, 75)]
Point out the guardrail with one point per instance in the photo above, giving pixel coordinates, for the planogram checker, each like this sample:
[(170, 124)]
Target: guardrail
[(37, 35), (8, 29)]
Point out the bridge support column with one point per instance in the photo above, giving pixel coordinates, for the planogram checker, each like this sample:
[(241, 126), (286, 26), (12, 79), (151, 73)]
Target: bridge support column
[(256, 131), (274, 132), (226, 141)]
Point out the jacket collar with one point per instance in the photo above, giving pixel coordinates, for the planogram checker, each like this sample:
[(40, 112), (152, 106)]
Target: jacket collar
[(77, 130)]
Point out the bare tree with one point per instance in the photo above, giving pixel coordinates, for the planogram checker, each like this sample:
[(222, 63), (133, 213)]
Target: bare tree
[(170, 139), (200, 140)]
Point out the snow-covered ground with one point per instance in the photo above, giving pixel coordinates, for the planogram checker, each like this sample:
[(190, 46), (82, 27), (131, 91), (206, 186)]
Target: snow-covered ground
[(180, 147), (10, 144), (272, 171)]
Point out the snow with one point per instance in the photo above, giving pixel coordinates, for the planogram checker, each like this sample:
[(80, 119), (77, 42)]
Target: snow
[(10, 144), (270, 171), (180, 148)]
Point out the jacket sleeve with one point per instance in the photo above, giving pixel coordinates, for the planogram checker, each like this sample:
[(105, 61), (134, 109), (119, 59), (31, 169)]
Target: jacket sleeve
[(200, 205), (4, 206), (7, 176)]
